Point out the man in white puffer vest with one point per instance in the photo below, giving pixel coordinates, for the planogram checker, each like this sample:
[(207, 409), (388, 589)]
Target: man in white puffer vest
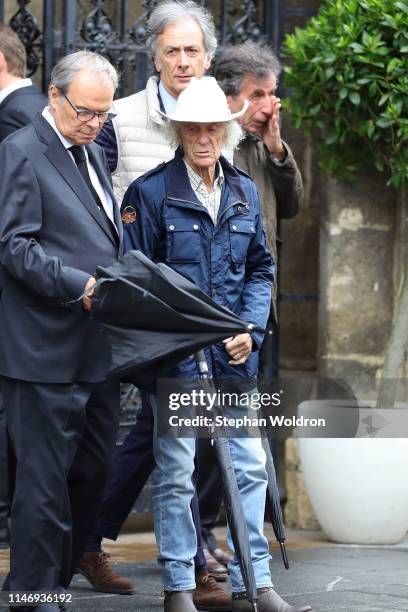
[(181, 42)]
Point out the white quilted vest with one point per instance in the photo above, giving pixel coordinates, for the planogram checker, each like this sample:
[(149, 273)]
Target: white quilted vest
[(140, 135)]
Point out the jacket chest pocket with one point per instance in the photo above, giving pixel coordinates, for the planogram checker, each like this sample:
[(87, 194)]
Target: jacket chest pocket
[(182, 240), (240, 232)]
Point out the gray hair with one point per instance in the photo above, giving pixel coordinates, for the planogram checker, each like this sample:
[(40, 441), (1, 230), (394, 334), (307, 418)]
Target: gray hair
[(235, 62), (232, 136), (173, 11), (67, 69)]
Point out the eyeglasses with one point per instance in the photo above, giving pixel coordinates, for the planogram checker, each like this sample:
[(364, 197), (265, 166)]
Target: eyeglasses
[(85, 115)]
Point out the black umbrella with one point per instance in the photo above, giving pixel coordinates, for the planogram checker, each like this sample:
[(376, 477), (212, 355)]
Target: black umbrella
[(155, 317), (273, 502), (232, 499)]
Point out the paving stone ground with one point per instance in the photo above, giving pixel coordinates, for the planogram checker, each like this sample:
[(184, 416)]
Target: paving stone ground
[(329, 578)]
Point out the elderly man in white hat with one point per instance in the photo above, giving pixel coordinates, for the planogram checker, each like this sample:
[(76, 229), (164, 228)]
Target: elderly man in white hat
[(200, 216)]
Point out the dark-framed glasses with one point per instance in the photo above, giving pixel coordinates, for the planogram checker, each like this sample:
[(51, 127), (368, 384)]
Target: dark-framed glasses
[(85, 115)]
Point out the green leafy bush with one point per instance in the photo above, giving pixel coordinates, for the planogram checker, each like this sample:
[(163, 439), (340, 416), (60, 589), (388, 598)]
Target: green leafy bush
[(348, 77)]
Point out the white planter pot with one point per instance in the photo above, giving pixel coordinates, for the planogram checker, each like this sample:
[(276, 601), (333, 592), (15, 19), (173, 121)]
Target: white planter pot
[(358, 487)]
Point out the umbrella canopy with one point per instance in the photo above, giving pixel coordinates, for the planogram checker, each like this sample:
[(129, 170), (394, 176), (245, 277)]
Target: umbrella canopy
[(155, 317)]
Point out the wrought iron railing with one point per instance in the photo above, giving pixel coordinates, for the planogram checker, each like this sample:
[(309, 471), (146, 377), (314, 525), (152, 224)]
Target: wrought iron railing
[(117, 32)]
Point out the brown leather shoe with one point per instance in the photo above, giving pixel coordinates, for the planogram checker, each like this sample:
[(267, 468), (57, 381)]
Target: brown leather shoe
[(222, 556), (215, 569), (97, 569), (209, 596)]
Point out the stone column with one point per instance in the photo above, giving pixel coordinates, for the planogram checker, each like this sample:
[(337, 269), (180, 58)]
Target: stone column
[(362, 243), (356, 277), (298, 510)]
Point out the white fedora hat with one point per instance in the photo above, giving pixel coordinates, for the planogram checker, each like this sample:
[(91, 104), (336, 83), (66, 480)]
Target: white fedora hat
[(203, 101)]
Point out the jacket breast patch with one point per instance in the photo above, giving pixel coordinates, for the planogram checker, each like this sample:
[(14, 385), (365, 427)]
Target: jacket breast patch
[(128, 215)]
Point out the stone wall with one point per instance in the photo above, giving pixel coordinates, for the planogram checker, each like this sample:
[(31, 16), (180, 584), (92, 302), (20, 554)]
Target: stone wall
[(348, 245), (362, 249), (357, 231), (298, 510), (299, 264)]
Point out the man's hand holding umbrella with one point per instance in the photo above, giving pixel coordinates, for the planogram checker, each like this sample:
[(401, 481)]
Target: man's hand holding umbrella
[(239, 348), (87, 299)]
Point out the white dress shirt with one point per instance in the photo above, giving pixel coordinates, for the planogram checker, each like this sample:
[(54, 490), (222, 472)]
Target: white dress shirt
[(104, 196), (169, 102)]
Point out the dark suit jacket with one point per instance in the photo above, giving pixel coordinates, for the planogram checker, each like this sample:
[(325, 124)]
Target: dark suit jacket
[(19, 109), (52, 238)]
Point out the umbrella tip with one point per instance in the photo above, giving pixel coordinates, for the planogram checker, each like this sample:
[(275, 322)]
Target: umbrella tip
[(284, 554)]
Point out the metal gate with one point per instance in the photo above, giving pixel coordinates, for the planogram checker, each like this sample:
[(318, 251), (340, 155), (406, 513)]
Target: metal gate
[(116, 29)]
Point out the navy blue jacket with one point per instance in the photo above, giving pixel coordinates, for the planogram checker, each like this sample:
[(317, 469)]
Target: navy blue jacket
[(52, 238), (228, 261)]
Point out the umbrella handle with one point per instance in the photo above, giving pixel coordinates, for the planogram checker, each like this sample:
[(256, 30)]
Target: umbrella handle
[(202, 364), (203, 371)]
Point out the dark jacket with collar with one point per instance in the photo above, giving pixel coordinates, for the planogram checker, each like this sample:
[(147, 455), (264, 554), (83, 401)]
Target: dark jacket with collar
[(19, 108), (228, 261), (279, 186), (52, 238)]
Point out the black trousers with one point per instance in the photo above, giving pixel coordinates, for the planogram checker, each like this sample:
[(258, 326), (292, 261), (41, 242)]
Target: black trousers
[(4, 472), (132, 464), (63, 436)]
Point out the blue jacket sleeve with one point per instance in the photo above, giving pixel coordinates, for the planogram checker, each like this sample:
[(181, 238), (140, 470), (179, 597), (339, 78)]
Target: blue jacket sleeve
[(141, 228)]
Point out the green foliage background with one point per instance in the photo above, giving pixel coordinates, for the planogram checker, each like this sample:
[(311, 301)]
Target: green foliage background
[(347, 76)]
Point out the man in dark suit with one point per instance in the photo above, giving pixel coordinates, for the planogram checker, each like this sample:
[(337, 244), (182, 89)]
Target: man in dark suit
[(20, 100), (58, 221)]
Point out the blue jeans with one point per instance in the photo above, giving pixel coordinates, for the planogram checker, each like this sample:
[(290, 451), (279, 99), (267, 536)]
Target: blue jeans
[(172, 492)]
